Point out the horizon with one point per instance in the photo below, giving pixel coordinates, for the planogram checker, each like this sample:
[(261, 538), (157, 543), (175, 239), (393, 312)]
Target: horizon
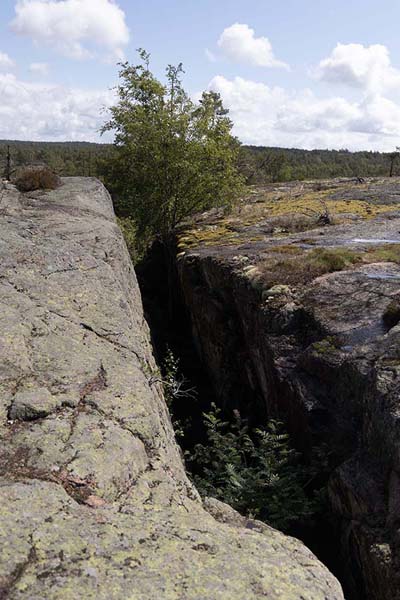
[(277, 148), (299, 76)]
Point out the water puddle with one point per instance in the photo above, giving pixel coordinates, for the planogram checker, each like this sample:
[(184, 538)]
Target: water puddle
[(373, 241), (382, 275), (361, 335)]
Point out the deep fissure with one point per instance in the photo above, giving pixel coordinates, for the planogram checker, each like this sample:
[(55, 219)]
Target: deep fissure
[(172, 327)]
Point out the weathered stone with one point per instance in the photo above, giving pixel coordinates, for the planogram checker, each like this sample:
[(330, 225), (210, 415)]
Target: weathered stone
[(31, 404), (94, 499), (328, 360)]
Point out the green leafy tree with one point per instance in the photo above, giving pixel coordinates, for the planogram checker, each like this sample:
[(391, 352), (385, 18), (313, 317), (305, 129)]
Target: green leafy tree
[(174, 156)]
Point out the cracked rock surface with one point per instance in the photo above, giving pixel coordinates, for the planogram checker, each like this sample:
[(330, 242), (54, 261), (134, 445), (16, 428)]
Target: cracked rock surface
[(94, 499), (301, 320)]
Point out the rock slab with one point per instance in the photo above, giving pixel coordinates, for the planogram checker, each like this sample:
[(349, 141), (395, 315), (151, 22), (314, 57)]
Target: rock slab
[(94, 499), (301, 321)]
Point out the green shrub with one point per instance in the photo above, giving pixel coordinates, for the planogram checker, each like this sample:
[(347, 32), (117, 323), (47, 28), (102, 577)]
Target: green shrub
[(176, 388), (128, 228), (137, 244), (257, 473)]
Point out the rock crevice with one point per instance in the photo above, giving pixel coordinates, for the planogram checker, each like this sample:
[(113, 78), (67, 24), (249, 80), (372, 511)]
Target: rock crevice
[(301, 322), (94, 499)]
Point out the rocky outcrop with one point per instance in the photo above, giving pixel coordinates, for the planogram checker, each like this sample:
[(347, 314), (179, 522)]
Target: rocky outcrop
[(94, 500), (300, 320)]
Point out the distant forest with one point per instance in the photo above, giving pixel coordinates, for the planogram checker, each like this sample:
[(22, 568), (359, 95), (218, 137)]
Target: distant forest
[(67, 159), (257, 163)]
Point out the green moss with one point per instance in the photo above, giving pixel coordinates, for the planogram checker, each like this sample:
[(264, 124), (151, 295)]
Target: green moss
[(326, 346), (222, 234)]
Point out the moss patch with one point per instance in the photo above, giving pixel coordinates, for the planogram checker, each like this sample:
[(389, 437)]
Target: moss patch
[(279, 214), (222, 234)]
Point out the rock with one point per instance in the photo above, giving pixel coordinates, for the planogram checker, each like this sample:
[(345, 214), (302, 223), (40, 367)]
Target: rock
[(94, 499), (278, 290), (32, 404), (317, 343), (391, 316)]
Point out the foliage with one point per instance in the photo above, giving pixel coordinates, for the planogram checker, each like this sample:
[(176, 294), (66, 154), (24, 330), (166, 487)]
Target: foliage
[(176, 388), (67, 159), (29, 179), (257, 164), (261, 165), (129, 231), (257, 473), (174, 156)]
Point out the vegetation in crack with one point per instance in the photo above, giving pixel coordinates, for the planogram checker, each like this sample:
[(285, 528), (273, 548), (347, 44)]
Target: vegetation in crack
[(254, 470), (173, 156)]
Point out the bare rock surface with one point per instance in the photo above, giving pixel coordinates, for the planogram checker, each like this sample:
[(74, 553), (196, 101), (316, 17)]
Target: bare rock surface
[(294, 301), (94, 499)]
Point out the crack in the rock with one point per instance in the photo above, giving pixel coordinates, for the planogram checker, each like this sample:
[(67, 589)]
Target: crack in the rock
[(69, 270), (105, 338), (8, 583)]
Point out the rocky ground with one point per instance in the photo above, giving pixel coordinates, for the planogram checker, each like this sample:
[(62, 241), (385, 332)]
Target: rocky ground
[(94, 499), (294, 299)]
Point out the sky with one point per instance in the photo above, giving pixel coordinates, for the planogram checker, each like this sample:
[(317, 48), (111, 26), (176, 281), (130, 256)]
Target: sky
[(299, 73)]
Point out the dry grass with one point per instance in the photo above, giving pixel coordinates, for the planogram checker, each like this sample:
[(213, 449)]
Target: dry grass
[(385, 253), (30, 179), (291, 265), (299, 268)]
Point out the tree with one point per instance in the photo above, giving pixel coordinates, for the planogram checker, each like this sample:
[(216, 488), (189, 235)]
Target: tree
[(393, 159), (174, 156)]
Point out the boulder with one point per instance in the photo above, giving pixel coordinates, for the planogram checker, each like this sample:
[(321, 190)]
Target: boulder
[(31, 404)]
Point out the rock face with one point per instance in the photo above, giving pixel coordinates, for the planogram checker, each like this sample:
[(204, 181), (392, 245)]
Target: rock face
[(94, 500), (301, 320)]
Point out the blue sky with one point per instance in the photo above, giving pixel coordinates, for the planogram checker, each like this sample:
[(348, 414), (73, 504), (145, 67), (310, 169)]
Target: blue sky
[(296, 73)]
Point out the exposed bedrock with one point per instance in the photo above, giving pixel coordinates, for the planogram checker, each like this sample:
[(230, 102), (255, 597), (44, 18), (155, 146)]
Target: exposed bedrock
[(94, 499), (300, 321)]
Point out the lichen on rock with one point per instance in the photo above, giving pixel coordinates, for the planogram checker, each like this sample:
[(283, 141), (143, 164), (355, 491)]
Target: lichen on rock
[(94, 499), (307, 329)]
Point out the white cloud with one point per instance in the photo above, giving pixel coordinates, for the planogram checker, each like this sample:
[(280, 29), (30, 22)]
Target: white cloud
[(41, 69), (6, 63), (239, 44), (34, 111), (366, 67), (273, 116), (74, 27)]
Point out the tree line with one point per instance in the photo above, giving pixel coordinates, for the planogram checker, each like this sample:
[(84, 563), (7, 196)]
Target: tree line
[(67, 159), (261, 164), (258, 164)]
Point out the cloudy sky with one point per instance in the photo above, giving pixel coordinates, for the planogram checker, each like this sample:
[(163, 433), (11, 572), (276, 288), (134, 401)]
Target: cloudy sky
[(298, 73)]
